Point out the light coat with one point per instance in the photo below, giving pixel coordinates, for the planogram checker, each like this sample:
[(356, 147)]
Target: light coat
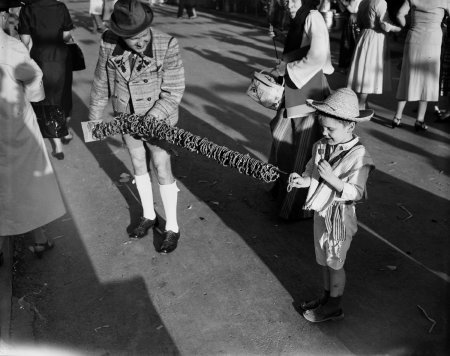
[(29, 192)]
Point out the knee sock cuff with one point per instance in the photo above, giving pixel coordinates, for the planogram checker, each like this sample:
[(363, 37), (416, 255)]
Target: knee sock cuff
[(169, 187)]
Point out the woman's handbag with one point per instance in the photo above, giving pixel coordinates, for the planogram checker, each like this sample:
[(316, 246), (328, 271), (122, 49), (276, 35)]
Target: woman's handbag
[(77, 57), (51, 120), (265, 90)]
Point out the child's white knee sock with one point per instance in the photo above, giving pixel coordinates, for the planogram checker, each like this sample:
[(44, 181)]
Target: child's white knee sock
[(144, 187), (169, 193)]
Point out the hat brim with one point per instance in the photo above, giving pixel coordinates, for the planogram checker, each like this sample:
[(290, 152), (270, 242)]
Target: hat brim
[(125, 33), (364, 115)]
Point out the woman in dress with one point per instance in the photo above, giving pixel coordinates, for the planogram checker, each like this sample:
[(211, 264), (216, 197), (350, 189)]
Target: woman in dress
[(419, 77), (370, 69), (46, 26), (29, 192), (350, 32), (306, 58)]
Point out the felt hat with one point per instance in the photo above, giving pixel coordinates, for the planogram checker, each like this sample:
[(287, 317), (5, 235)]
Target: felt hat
[(342, 104), (7, 4), (130, 17)]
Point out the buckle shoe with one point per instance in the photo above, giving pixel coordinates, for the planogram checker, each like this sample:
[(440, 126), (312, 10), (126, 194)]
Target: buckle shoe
[(142, 228), (170, 241)]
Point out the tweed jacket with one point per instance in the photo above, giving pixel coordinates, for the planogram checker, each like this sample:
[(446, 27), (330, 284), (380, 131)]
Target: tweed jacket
[(154, 85)]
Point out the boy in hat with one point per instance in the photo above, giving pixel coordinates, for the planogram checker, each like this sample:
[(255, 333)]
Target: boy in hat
[(336, 177), (141, 70)]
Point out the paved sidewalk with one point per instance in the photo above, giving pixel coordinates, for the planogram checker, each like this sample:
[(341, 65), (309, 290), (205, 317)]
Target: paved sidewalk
[(230, 286)]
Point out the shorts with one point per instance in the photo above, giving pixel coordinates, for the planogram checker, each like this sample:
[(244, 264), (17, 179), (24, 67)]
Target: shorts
[(329, 252), (136, 144)]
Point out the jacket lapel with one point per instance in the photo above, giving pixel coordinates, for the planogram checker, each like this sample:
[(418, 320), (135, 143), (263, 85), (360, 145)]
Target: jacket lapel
[(120, 59), (142, 65)]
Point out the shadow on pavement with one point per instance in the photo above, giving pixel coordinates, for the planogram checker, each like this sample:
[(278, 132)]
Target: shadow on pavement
[(100, 317)]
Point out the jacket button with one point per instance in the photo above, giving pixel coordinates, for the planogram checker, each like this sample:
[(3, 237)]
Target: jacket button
[(149, 99), (145, 80)]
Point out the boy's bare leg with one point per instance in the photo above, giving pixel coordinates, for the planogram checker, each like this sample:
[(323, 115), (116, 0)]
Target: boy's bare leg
[(336, 282)]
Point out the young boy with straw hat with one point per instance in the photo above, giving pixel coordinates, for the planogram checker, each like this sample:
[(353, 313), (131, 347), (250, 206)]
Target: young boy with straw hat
[(336, 177)]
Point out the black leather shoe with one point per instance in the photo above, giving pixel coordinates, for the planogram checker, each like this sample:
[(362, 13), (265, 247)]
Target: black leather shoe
[(58, 155), (319, 315), (170, 241), (312, 304), (142, 228)]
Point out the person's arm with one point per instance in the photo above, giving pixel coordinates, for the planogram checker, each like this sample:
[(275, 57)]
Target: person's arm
[(354, 186), (26, 40), (304, 180), (402, 12), (385, 22), (351, 5), (99, 91), (67, 26), (30, 75), (24, 27), (172, 86), (67, 37), (301, 71)]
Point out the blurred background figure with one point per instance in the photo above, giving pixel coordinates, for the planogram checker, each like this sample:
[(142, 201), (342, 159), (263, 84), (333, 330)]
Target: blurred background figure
[(306, 58), (30, 196), (156, 2), (278, 16), (46, 26), (444, 114), (189, 5), (370, 68), (419, 77), (108, 8), (350, 32), (96, 12)]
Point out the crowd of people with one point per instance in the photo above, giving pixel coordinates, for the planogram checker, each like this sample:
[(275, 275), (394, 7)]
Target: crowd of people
[(140, 70)]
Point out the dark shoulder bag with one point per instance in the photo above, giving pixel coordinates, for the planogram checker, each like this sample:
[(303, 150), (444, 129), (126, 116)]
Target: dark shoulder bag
[(77, 57)]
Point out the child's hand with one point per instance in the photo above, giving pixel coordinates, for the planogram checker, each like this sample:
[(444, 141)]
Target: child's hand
[(325, 170), (297, 181)]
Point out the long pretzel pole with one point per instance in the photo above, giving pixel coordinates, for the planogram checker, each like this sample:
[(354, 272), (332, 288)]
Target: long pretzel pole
[(147, 127)]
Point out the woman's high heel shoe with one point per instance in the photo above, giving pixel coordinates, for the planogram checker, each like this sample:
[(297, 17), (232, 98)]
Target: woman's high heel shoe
[(396, 122), (420, 126), (58, 155), (438, 115), (38, 249)]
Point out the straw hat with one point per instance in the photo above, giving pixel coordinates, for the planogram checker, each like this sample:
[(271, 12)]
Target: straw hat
[(342, 104), (130, 17), (7, 4)]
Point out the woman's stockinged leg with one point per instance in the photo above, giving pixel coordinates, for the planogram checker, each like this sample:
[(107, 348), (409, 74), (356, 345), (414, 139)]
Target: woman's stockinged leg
[(421, 111), (400, 107), (362, 101)]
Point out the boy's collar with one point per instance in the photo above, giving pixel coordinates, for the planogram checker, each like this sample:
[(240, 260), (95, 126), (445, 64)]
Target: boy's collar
[(343, 146), (347, 145)]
